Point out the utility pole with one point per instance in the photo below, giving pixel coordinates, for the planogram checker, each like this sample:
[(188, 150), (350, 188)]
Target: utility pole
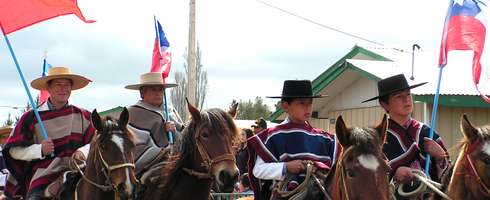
[(191, 56)]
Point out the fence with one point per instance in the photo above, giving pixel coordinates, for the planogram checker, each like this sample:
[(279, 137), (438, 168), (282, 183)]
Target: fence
[(231, 196)]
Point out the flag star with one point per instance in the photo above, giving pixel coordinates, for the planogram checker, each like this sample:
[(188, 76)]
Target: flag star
[(460, 2)]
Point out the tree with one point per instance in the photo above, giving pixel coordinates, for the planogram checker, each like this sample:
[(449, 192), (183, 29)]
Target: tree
[(253, 110), (179, 93), (9, 122)]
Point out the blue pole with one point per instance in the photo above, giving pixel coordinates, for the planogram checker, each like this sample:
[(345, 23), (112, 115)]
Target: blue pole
[(433, 118), (170, 135), (44, 134)]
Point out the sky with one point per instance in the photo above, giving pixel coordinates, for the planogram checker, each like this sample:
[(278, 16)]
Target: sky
[(248, 48)]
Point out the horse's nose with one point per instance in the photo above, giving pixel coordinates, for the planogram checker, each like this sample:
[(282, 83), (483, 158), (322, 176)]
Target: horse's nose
[(228, 178), (123, 193)]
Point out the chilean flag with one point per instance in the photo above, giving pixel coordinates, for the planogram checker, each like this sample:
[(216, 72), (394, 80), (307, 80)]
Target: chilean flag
[(465, 29), (161, 54), (44, 95)]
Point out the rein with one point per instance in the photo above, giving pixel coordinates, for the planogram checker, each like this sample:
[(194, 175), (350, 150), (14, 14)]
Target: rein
[(342, 172), (296, 193), (470, 167), (426, 182), (207, 161), (108, 186)]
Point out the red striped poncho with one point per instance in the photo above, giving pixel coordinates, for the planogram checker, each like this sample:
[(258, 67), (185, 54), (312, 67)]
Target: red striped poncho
[(69, 128)]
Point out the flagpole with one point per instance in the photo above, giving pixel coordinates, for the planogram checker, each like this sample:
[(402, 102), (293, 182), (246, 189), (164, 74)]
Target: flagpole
[(34, 107), (170, 135), (433, 118)]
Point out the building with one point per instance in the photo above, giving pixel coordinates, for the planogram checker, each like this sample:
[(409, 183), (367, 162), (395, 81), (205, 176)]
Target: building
[(354, 77)]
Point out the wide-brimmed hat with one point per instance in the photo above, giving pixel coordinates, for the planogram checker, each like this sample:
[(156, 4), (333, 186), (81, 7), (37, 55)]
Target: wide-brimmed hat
[(393, 84), (150, 79), (260, 122), (297, 89), (60, 72)]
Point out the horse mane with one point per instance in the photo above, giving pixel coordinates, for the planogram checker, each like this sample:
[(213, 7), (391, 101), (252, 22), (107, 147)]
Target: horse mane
[(364, 142), (185, 148), (110, 125)]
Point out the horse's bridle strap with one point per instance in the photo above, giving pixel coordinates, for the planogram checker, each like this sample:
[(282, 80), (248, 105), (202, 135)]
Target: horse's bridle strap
[(102, 187), (197, 174), (474, 173), (114, 167)]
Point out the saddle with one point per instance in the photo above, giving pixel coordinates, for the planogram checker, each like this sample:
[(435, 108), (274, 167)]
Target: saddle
[(151, 172), (64, 184)]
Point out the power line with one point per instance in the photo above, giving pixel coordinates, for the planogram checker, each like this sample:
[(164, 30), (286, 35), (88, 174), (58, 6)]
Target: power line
[(318, 24)]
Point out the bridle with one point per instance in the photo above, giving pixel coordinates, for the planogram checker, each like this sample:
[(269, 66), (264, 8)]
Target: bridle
[(470, 168), (107, 169), (207, 162), (343, 171)]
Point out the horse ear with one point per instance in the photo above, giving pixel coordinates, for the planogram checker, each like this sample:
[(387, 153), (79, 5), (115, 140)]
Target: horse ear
[(341, 131), (123, 118), (96, 121), (468, 130), (381, 128), (233, 109), (195, 113)]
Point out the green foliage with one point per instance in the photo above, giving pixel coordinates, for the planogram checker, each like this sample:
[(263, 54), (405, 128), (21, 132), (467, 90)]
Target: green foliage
[(253, 110), (9, 122)]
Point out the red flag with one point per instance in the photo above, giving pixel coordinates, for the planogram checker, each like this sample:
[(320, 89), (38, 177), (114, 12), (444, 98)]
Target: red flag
[(161, 54), (18, 14)]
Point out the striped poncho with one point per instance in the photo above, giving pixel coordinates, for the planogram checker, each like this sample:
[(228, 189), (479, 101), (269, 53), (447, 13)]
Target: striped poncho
[(287, 142), (69, 128), (405, 147)]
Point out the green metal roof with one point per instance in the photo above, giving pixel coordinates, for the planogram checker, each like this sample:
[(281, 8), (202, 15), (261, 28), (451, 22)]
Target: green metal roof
[(338, 68), (112, 110), (341, 65)]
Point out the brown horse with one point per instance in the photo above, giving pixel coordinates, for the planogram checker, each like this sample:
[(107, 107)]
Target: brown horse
[(109, 171), (361, 170), (204, 156), (471, 173)]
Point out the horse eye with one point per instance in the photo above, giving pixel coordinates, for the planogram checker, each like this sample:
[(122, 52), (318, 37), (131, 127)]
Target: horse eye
[(351, 173), (486, 160), (205, 135)]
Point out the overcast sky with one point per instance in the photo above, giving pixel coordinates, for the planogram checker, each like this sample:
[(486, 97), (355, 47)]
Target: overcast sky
[(248, 48)]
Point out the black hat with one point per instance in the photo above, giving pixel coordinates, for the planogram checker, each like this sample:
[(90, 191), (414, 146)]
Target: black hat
[(393, 84), (260, 122), (297, 89)]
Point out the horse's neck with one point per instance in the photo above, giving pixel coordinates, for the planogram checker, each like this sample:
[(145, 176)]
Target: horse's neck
[(190, 187), (462, 185)]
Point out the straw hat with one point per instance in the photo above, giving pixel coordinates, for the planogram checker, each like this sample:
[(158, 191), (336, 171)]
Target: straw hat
[(152, 78), (5, 130), (60, 72)]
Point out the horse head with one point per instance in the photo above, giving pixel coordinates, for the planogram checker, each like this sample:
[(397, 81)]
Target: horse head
[(471, 175), (214, 133), (113, 153), (361, 170)]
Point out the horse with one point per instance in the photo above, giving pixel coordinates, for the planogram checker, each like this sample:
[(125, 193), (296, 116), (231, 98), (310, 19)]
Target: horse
[(109, 171), (203, 156), (470, 177), (361, 170)]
